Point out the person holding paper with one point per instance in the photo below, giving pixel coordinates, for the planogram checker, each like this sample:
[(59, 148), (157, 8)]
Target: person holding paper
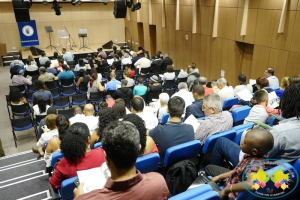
[(121, 145), (77, 155), (242, 80), (174, 132), (196, 107), (260, 112)]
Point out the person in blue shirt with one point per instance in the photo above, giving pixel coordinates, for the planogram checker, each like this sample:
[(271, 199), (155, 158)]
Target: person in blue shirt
[(49, 69), (68, 56), (112, 84), (66, 74), (140, 89), (196, 107), (17, 62)]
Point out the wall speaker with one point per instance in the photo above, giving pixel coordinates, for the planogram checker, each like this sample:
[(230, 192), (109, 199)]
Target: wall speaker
[(120, 9), (21, 13)]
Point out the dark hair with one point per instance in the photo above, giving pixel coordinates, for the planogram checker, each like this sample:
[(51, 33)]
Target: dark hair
[(262, 82), (65, 67), (39, 85), (140, 125), (106, 116), (94, 77), (115, 49), (15, 94), (140, 48), (51, 110), (89, 55), (176, 106), (119, 109), (121, 142), (193, 65), (199, 89), (260, 96), (55, 54), (142, 55), (43, 53), (60, 57), (102, 105), (27, 62), (64, 49), (119, 53), (47, 64), (80, 62), (137, 104), (99, 49), (62, 123), (170, 68), (294, 79), (290, 101), (91, 63), (113, 67), (271, 71), (159, 52), (73, 146), (117, 56), (61, 60), (41, 102), (95, 55), (140, 80), (81, 73), (242, 79)]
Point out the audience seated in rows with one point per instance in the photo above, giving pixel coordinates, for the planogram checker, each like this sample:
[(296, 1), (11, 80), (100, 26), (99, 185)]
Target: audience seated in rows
[(51, 110), (174, 132), (193, 75), (169, 74), (128, 69), (40, 91), (137, 107), (43, 59), (135, 57), (41, 107), (16, 97), (263, 83), (203, 81), (273, 80), (260, 112), (109, 100), (14, 70), (30, 66), (67, 55), (45, 76), (80, 65), (101, 52), (126, 60), (285, 134), (65, 74), (166, 62), (49, 69), (117, 62), (120, 109), (182, 74), (196, 107), (94, 85), (216, 120), (214, 86), (121, 145), (123, 92), (77, 155), (154, 85), (284, 84), (19, 79), (83, 78), (256, 146), (184, 93), (242, 81), (113, 84), (142, 62), (106, 116), (160, 106), (130, 81), (53, 146), (147, 143), (225, 91), (140, 89), (16, 61)]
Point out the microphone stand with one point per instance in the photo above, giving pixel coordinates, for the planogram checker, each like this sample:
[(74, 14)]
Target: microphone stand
[(70, 38)]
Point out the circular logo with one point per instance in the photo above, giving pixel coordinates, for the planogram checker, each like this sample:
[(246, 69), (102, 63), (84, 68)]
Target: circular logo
[(271, 178), (27, 30)]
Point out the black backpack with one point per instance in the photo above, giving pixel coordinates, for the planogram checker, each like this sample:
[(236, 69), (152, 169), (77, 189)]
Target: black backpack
[(180, 176)]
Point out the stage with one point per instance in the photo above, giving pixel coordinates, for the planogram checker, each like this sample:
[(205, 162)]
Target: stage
[(93, 48)]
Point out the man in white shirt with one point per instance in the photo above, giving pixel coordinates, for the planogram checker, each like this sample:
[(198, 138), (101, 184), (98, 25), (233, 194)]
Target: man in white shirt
[(30, 67), (185, 94), (68, 56), (242, 80), (50, 122), (78, 116), (90, 120), (273, 80), (137, 107), (225, 91), (142, 62), (126, 60)]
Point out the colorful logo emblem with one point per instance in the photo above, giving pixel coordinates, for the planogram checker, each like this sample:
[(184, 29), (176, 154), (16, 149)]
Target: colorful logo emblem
[(272, 179)]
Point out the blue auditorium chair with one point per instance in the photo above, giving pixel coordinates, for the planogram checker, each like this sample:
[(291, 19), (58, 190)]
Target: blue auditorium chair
[(165, 118), (55, 157), (211, 195), (239, 114), (192, 193), (66, 188), (239, 131), (228, 103), (147, 163), (98, 144)]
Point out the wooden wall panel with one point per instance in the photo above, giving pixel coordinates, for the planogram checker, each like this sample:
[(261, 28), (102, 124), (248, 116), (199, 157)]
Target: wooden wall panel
[(260, 61), (292, 68), (252, 3), (295, 47), (207, 18), (227, 23), (170, 16), (186, 18), (246, 60), (278, 60), (207, 2), (264, 27), (205, 52), (187, 48), (171, 39), (215, 58), (229, 3), (270, 4), (251, 26), (293, 4), (159, 42), (179, 50), (146, 37)]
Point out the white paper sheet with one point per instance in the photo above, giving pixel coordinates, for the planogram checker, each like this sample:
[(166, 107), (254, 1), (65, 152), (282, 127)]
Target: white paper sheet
[(94, 178), (245, 95), (273, 100), (222, 73), (252, 81), (110, 61), (192, 121)]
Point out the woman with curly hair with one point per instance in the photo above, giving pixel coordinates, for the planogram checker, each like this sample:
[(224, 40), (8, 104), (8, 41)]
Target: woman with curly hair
[(263, 83), (15, 97), (147, 143), (77, 155), (62, 124), (106, 116)]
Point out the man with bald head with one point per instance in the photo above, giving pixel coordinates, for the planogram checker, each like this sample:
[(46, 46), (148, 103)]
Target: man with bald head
[(225, 91), (78, 116), (112, 84)]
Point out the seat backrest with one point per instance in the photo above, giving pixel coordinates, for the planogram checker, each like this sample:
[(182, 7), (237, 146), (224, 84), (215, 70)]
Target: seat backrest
[(169, 83), (67, 82), (177, 71), (51, 84), (61, 33), (98, 144), (145, 70), (96, 96), (67, 187), (20, 87), (153, 95), (38, 118), (240, 113), (110, 92), (61, 101), (182, 152), (228, 103), (102, 69), (21, 122), (79, 98), (211, 140), (239, 131), (165, 118), (56, 156), (170, 92), (54, 91), (191, 193), (69, 89), (147, 163), (179, 80), (20, 108), (211, 195), (68, 112)]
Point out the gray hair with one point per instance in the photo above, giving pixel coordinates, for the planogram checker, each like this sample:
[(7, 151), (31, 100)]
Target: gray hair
[(222, 81), (164, 97), (182, 85), (126, 55), (203, 80), (16, 62), (214, 101)]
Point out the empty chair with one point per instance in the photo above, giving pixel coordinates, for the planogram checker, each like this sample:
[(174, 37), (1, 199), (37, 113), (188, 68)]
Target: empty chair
[(20, 87), (165, 118), (179, 80), (96, 97), (69, 112), (67, 82), (55, 92), (69, 90), (20, 110), (62, 36), (21, 124), (168, 84), (61, 102), (145, 70), (170, 92), (147, 163), (228, 103), (239, 114), (51, 84), (79, 99), (38, 118), (211, 140), (192, 193)]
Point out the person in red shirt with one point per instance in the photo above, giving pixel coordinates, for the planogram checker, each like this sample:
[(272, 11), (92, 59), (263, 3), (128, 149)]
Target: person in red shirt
[(121, 144), (128, 68), (77, 156), (203, 81)]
